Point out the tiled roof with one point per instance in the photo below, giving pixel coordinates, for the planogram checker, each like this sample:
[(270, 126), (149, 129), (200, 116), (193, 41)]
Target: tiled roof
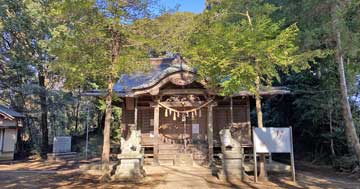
[(9, 112), (161, 67)]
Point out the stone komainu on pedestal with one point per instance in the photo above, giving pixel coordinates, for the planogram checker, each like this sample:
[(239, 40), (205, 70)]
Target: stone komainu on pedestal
[(232, 160), (131, 158)]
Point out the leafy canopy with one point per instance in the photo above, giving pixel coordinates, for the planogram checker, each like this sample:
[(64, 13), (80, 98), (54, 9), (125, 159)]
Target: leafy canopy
[(236, 41), (83, 38)]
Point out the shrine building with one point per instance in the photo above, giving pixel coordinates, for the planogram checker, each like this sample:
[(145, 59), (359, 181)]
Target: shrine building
[(179, 116)]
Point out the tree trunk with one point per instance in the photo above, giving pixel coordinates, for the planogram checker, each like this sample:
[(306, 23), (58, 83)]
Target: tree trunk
[(350, 130), (331, 133), (108, 111), (106, 145), (77, 113), (43, 122), (263, 174)]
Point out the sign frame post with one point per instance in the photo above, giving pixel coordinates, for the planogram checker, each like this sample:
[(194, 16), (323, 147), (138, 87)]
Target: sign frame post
[(292, 157), (255, 158)]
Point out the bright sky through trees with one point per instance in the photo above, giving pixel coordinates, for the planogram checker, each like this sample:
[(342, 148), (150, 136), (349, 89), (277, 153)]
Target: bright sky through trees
[(196, 6)]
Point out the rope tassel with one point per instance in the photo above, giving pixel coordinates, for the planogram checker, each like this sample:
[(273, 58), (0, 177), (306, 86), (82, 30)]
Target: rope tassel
[(174, 117)]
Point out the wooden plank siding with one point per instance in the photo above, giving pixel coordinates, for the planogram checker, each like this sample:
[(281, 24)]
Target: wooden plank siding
[(174, 129)]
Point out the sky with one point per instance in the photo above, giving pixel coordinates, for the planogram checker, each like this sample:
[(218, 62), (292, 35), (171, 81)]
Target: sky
[(196, 6)]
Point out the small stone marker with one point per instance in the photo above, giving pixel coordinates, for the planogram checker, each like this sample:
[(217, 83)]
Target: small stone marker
[(62, 144)]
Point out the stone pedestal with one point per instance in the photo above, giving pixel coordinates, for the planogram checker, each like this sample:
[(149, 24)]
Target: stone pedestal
[(232, 163), (130, 167), (232, 159)]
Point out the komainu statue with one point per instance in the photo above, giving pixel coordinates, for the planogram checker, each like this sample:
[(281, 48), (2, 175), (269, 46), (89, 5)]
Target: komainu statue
[(132, 145), (130, 166), (227, 141), (232, 155)]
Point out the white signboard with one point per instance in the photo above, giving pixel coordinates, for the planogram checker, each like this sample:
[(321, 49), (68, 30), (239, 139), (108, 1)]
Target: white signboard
[(195, 129), (62, 144), (272, 140)]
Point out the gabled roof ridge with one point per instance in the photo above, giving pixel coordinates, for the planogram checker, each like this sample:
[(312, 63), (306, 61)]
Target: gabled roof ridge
[(9, 112)]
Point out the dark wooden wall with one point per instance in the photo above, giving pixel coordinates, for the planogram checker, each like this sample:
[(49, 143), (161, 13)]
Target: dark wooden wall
[(174, 129)]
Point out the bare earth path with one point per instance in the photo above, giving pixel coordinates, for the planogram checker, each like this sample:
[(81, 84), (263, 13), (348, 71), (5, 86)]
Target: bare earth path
[(38, 174)]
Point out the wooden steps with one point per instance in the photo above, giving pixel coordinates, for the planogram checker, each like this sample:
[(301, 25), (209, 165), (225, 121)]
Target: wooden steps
[(167, 153), (174, 154)]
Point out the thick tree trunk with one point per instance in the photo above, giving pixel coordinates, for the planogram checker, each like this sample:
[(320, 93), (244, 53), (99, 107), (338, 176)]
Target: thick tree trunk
[(106, 145), (43, 122), (108, 111), (263, 173), (350, 130)]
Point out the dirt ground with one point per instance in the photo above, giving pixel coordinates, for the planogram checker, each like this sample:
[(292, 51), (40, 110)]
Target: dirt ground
[(38, 174)]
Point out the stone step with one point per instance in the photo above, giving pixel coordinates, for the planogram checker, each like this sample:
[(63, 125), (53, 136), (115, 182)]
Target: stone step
[(166, 162), (184, 159), (170, 146), (148, 161), (167, 156), (168, 151)]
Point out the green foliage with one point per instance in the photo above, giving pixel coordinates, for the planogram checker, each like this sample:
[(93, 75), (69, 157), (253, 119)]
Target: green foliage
[(82, 41), (168, 33), (317, 92), (285, 42), (238, 41)]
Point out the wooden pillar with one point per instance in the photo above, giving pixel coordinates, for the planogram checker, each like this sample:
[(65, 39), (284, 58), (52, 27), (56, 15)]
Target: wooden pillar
[(136, 114), (231, 113), (210, 131), (156, 133)]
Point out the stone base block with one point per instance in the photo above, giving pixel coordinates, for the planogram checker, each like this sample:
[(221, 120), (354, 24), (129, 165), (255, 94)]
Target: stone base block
[(232, 168), (129, 169)]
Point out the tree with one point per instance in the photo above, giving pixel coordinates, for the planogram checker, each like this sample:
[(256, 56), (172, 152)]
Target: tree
[(103, 33), (23, 27), (240, 47), (332, 25), (350, 130), (167, 34)]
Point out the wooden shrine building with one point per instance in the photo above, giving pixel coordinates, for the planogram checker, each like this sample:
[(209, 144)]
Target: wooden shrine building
[(179, 117), (10, 122)]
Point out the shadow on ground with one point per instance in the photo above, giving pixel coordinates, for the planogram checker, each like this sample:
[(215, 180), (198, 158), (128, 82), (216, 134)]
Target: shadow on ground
[(62, 175)]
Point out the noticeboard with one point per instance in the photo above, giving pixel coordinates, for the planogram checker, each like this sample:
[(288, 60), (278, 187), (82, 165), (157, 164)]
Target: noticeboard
[(272, 140)]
